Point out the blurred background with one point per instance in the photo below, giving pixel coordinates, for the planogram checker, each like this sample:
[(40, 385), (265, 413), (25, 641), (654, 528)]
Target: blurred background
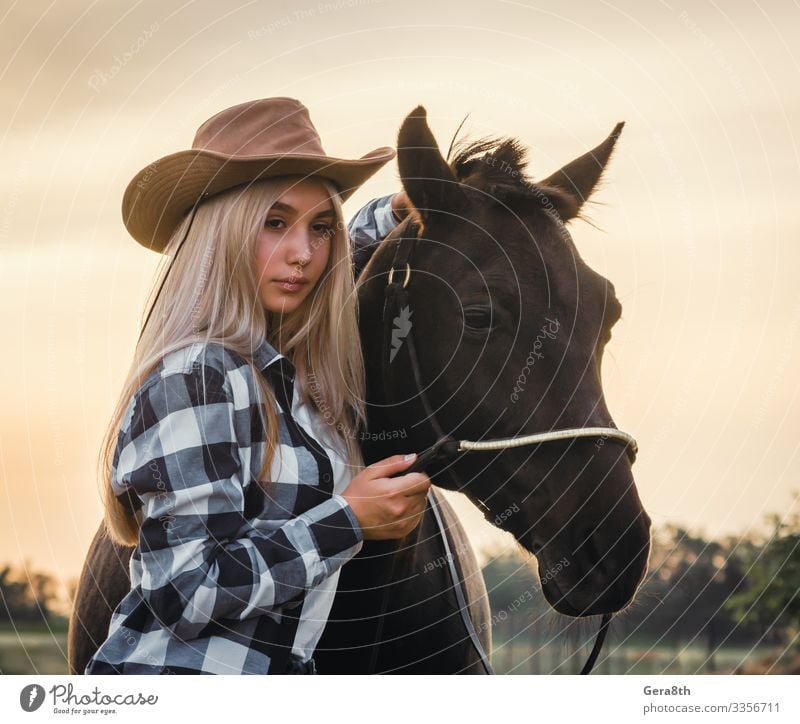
[(696, 224)]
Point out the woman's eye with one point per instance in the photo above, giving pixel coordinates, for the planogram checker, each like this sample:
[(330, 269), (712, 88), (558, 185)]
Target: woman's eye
[(323, 229)]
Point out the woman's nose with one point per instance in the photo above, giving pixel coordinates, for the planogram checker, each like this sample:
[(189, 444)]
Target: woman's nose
[(301, 249)]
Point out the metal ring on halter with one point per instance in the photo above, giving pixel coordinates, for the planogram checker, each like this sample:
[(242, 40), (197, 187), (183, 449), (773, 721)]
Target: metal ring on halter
[(407, 277)]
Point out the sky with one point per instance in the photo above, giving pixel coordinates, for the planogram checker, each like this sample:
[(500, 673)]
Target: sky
[(696, 222)]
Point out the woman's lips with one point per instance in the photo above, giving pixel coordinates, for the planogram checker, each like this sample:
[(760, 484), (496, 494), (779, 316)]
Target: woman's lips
[(290, 286)]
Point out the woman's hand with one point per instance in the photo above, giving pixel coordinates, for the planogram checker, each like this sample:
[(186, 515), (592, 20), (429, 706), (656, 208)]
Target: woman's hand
[(387, 507)]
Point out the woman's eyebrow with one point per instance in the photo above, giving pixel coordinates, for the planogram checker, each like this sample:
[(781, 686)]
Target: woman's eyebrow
[(280, 206)]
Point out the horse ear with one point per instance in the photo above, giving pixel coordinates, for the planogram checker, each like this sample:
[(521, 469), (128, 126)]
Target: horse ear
[(575, 182), (427, 179)]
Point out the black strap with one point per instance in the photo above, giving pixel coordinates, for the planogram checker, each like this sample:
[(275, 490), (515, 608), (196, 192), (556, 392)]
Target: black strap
[(598, 644), (444, 450), (171, 263), (395, 299), (376, 645)]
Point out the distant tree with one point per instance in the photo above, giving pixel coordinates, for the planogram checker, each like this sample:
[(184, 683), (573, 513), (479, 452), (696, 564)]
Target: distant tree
[(26, 596), (13, 595), (507, 576), (772, 597), (683, 597)]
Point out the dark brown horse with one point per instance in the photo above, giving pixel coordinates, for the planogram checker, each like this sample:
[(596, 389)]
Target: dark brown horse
[(510, 326)]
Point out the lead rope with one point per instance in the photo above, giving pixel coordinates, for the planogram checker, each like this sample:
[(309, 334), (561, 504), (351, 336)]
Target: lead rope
[(463, 608)]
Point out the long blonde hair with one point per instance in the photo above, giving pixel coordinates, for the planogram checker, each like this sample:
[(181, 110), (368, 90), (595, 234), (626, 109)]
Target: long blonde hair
[(211, 295)]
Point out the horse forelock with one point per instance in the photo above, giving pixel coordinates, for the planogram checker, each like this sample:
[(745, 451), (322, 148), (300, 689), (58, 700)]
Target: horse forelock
[(497, 161)]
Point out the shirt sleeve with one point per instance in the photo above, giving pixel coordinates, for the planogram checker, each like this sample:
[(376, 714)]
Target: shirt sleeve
[(201, 560), (368, 228)]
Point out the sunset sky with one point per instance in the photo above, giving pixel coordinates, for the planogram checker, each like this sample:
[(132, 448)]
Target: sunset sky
[(696, 223)]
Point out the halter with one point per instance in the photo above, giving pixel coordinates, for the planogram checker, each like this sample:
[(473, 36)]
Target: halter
[(446, 447)]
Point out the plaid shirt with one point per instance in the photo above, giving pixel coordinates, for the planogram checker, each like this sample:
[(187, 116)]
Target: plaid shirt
[(226, 579)]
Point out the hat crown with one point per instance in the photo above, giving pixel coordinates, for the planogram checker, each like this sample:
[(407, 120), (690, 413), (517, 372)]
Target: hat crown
[(241, 144), (260, 128)]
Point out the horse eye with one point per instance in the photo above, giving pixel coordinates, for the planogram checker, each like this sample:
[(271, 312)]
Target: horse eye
[(477, 318)]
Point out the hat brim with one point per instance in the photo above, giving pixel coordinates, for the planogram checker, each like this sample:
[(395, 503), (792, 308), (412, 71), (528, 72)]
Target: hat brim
[(159, 196)]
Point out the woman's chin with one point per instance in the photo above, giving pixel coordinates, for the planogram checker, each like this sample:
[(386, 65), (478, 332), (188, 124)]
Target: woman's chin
[(283, 303)]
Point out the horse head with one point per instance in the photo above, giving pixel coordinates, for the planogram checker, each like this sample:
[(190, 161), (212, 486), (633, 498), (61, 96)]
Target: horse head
[(509, 326)]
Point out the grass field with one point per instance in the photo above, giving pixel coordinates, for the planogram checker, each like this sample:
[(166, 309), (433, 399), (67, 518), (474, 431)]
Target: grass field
[(33, 650), (523, 657), (39, 651)]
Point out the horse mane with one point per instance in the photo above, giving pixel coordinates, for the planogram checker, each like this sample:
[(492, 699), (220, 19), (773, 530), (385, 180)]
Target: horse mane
[(497, 166), (497, 162)]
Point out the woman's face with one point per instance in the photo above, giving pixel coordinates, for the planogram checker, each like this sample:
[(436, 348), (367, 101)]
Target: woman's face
[(293, 247)]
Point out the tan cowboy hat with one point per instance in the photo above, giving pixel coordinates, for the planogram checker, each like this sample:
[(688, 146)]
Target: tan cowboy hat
[(249, 141)]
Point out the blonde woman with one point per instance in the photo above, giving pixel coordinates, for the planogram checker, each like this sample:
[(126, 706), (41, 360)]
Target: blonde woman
[(225, 464)]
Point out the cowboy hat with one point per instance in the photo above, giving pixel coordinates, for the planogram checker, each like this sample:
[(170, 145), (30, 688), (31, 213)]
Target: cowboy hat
[(253, 140)]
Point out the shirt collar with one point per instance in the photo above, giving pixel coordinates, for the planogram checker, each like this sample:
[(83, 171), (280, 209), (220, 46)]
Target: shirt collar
[(278, 367), (265, 354)]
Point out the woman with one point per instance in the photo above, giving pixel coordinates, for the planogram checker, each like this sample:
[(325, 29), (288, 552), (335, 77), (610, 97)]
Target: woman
[(232, 460)]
